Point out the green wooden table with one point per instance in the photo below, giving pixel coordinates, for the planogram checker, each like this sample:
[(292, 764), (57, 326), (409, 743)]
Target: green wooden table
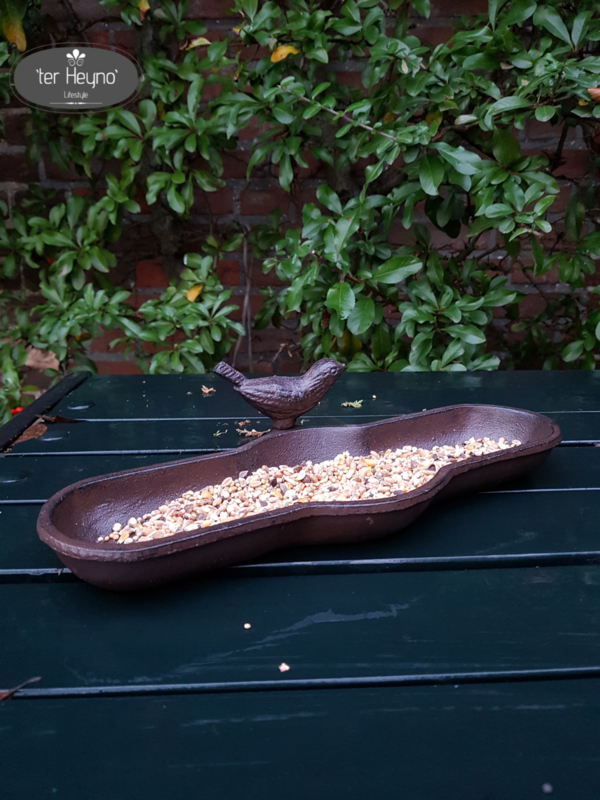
[(457, 659)]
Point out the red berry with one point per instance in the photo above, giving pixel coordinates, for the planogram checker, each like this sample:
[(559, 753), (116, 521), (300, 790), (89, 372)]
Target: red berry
[(16, 410)]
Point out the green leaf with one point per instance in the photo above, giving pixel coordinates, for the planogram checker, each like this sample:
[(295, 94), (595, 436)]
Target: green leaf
[(498, 210), (422, 7), (579, 25), (286, 172), (573, 350), (493, 7), (362, 316), (454, 350), (284, 113), (467, 333), (381, 342), (464, 161), (546, 17), (574, 216), (329, 198), (397, 269), (175, 200), (505, 147), (544, 113), (505, 104), (431, 173), (129, 120), (340, 298), (194, 92)]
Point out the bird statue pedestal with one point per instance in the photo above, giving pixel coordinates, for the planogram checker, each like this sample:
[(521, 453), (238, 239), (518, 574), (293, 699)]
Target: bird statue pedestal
[(283, 398)]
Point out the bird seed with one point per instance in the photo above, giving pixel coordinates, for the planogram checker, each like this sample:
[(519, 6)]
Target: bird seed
[(345, 478)]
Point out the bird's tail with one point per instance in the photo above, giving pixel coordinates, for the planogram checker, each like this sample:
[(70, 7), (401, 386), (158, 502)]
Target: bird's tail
[(231, 374)]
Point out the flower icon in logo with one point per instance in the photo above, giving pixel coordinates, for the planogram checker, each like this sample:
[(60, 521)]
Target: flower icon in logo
[(75, 58)]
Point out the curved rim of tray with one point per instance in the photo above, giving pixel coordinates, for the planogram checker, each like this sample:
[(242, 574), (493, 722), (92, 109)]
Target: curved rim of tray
[(108, 551)]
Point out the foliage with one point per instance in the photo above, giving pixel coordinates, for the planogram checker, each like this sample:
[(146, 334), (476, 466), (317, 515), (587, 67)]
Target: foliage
[(426, 202)]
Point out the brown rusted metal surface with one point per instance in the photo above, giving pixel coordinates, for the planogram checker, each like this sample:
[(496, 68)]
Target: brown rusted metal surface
[(283, 398), (73, 519)]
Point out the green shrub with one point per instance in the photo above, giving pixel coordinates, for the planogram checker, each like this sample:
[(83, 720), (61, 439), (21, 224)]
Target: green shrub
[(432, 132)]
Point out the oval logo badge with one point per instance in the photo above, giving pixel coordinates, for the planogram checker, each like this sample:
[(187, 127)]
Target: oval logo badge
[(76, 78)]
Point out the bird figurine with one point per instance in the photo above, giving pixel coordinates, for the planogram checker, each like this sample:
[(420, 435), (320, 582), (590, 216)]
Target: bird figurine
[(284, 398)]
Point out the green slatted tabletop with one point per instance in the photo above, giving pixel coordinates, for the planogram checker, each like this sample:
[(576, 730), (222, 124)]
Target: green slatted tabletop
[(458, 659)]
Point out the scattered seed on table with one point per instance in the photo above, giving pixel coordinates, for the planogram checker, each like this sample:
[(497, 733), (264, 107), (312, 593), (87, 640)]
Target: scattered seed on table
[(345, 478)]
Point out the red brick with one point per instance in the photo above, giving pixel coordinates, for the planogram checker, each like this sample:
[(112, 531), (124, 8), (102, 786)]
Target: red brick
[(14, 127), (219, 202), (517, 276), (125, 39), (305, 194), (289, 366), (150, 274), (252, 52), (561, 200), (260, 279), (54, 173), (256, 303), (235, 164), (254, 129), (263, 367), (534, 129), (228, 272), (13, 167), (86, 10), (575, 164), (351, 79), (211, 90), (255, 201), (117, 368), (441, 8), (209, 9), (140, 197), (531, 305), (98, 36), (101, 343), (315, 169), (432, 35)]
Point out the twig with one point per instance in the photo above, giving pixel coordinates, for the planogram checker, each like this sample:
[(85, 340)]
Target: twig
[(558, 153), (343, 116), (6, 694), (246, 310)]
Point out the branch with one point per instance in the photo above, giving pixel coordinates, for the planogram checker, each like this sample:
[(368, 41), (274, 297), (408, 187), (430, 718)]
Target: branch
[(343, 116)]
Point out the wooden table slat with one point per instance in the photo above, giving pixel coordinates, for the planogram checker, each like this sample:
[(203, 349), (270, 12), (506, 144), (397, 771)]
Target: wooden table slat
[(38, 477), (464, 743), (189, 437), (493, 529), (172, 396), (338, 626)]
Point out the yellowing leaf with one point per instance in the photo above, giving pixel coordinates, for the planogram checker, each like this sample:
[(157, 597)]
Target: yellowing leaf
[(281, 52), (583, 103), (14, 33), (143, 6), (198, 42), (595, 94), (193, 292), (387, 118)]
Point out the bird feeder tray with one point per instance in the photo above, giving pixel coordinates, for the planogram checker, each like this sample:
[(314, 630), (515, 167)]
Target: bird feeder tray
[(72, 520)]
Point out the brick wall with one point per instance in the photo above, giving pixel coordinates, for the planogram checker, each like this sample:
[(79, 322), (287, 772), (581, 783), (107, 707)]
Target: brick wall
[(247, 202)]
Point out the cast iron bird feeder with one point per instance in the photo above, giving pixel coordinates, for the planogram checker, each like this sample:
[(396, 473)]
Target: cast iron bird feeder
[(72, 521)]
